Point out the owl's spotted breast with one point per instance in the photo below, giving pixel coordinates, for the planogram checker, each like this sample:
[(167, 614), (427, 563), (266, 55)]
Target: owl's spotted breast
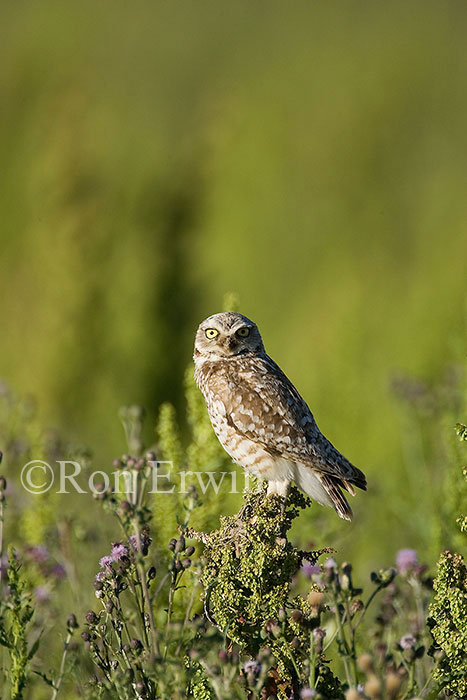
[(225, 402)]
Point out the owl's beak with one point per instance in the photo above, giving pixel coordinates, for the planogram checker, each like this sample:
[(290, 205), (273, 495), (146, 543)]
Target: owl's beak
[(232, 345)]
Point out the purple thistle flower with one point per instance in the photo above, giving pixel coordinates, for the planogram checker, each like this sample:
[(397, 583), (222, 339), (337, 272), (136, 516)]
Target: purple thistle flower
[(307, 693), (118, 551), (406, 560), (106, 561), (145, 541), (408, 641), (100, 576), (42, 594), (58, 570), (251, 666), (309, 569), (330, 563), (38, 553)]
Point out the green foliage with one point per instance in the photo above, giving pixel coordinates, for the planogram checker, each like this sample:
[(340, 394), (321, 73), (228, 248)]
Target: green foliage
[(249, 568), (150, 164), (448, 615), (201, 456), (241, 621), (249, 564), (462, 519), (16, 611), (448, 612), (462, 490)]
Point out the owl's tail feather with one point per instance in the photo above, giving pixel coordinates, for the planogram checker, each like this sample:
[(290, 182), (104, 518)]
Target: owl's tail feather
[(331, 485), (324, 489), (348, 487)]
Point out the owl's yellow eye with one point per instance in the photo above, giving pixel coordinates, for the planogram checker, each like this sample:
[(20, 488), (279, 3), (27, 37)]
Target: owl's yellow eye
[(243, 332), (211, 333)]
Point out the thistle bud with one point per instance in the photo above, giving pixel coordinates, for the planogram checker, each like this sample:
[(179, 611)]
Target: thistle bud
[(136, 645), (180, 544), (296, 616), (346, 580), (91, 617), (72, 623)]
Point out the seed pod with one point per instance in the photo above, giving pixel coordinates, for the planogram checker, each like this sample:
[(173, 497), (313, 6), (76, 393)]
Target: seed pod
[(393, 683), (352, 694), (365, 662), (316, 598), (373, 687)]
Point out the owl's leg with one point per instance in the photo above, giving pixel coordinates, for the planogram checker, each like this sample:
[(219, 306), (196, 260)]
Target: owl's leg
[(282, 489)]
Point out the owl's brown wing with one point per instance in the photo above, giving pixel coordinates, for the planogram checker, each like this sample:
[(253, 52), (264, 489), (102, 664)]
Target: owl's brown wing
[(265, 407)]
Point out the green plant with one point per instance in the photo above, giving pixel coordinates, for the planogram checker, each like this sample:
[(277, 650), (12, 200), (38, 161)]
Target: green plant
[(16, 611), (448, 613)]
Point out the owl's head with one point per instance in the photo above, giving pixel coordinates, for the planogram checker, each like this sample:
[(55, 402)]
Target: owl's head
[(226, 335)]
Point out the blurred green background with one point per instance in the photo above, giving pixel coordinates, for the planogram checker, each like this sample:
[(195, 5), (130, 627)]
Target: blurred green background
[(310, 157)]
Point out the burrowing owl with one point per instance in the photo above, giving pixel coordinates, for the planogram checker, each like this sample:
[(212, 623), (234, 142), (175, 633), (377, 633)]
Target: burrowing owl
[(260, 418)]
